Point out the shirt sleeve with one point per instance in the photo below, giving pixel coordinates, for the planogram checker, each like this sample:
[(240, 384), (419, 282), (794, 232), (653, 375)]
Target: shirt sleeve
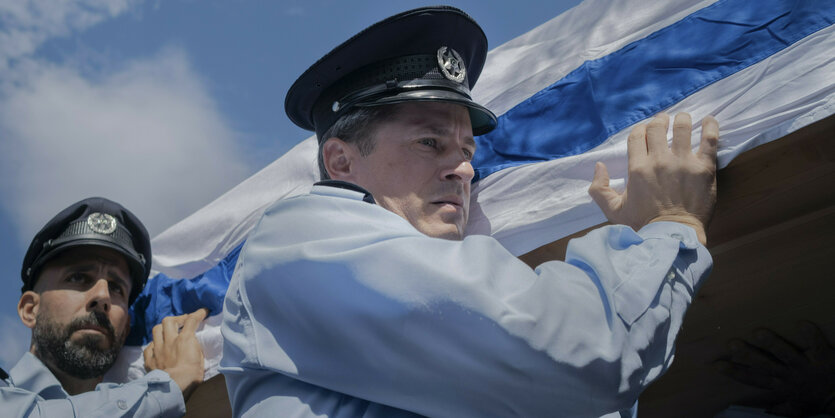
[(461, 328), (154, 395)]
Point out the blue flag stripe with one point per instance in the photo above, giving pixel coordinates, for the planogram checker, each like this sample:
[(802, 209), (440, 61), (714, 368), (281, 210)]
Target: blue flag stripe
[(164, 296), (606, 95)]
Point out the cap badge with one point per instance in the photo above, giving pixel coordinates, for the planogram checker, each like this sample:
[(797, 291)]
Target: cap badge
[(101, 223), (451, 64)]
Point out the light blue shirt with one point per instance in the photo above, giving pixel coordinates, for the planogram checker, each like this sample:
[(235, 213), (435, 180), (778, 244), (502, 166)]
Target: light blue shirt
[(341, 308), (33, 391)]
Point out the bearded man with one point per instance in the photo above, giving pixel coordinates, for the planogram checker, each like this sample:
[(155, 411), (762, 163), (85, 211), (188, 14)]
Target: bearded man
[(80, 275)]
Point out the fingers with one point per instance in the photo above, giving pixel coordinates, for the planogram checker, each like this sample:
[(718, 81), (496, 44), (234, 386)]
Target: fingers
[(753, 358), (818, 348), (779, 348), (194, 319), (182, 356), (813, 336), (710, 140), (148, 354), (601, 176), (747, 375), (636, 145), (171, 329), (605, 197), (163, 349), (657, 134), (158, 338), (682, 126)]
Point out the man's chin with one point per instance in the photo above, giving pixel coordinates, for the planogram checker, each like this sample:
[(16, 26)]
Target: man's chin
[(448, 231), (83, 352), (92, 340)]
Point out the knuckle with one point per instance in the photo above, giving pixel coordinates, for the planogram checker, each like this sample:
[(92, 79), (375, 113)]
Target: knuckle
[(666, 165), (640, 172), (703, 172), (657, 122), (637, 133), (661, 119), (682, 124)]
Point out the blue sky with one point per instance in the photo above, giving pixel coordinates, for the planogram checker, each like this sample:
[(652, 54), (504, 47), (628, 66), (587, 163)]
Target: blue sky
[(162, 105)]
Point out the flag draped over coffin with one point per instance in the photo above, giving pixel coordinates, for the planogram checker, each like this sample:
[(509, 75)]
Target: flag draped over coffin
[(567, 93)]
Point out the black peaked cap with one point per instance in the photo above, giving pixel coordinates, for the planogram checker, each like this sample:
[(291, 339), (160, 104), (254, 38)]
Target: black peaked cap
[(396, 60), (92, 221)]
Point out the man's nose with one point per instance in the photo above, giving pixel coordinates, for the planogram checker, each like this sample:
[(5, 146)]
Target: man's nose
[(459, 168), (99, 296)]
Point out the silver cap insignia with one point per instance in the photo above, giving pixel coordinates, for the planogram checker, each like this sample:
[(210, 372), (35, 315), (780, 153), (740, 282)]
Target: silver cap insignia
[(101, 223), (451, 64)]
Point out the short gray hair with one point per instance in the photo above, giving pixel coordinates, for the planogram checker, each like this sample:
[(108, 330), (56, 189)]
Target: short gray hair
[(355, 127)]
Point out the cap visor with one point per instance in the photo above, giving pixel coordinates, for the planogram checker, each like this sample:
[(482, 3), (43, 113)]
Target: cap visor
[(481, 118)]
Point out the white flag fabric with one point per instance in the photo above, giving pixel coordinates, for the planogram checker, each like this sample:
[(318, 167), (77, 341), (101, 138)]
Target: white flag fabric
[(567, 93)]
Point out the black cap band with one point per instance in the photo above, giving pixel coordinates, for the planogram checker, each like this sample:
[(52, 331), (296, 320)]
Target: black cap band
[(84, 231), (390, 81)]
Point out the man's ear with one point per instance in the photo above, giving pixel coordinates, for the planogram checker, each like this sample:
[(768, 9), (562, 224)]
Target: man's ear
[(338, 157), (27, 308)]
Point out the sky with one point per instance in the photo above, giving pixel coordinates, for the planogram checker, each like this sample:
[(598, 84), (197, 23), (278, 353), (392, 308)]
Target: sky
[(162, 105)]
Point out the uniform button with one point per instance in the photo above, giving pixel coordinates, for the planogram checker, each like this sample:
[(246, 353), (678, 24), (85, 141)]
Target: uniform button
[(671, 275), (122, 404), (677, 236)]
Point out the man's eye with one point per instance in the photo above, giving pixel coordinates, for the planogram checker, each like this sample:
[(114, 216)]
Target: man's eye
[(76, 278), (468, 154), (429, 142), (116, 288)]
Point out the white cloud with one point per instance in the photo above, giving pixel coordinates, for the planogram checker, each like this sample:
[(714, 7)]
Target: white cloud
[(26, 24), (15, 340), (148, 136)]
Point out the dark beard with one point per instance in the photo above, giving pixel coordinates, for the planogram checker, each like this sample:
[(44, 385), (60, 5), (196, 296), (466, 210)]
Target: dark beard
[(82, 359)]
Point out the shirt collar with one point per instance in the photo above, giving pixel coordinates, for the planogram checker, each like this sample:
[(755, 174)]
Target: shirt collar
[(339, 184), (31, 374)]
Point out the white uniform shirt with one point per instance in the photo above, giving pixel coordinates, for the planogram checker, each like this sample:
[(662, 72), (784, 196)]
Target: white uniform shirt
[(33, 391), (341, 308)]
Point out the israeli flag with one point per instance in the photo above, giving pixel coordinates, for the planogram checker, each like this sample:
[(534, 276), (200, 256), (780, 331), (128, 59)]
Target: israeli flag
[(567, 92)]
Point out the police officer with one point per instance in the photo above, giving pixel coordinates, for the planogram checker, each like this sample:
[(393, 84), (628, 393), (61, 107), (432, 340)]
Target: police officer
[(365, 297), (80, 275)]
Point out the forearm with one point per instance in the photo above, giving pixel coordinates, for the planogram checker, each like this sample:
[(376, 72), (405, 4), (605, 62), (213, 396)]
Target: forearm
[(649, 280)]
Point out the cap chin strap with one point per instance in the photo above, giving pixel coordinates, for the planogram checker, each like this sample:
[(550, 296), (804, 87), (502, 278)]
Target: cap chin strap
[(394, 87)]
